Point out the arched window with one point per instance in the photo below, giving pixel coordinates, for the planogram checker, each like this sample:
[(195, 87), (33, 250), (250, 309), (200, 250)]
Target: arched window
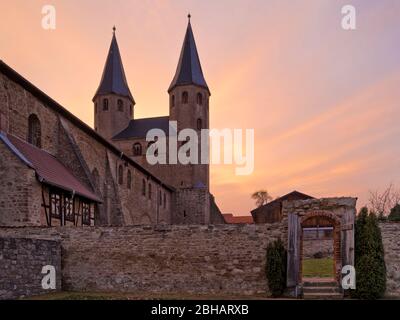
[(143, 187), (34, 131), (105, 104), (199, 99), (185, 97), (199, 124), (137, 149), (120, 105), (129, 180), (173, 101), (156, 150), (149, 191), (120, 174)]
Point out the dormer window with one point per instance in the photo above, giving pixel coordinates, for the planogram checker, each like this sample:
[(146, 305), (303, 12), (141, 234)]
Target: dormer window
[(185, 97)]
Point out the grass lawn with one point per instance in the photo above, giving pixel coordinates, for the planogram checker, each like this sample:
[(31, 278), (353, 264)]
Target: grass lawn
[(318, 268)]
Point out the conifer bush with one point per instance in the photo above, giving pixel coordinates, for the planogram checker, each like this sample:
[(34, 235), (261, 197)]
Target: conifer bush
[(394, 213), (369, 258), (276, 268)]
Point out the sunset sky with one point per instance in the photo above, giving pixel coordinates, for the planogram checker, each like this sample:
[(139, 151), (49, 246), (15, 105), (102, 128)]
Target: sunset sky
[(324, 102)]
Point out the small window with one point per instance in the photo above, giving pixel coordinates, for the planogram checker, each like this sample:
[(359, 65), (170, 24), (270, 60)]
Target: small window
[(165, 200), (199, 124), (173, 101), (143, 187), (149, 191), (120, 105), (105, 104), (120, 174), (34, 131), (159, 198), (185, 97), (137, 149), (129, 180), (199, 99)]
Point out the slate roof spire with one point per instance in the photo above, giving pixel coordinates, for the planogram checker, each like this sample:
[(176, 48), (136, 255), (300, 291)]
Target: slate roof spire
[(189, 70), (113, 79)]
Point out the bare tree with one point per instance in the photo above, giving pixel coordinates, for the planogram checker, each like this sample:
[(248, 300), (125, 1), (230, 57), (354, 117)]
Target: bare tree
[(261, 197), (382, 202)]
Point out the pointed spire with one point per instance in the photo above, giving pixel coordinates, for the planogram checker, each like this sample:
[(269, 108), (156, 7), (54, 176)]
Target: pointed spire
[(113, 79), (189, 70)]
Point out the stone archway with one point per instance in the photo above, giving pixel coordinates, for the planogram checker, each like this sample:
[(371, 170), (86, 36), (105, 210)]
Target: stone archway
[(324, 218), (340, 212)]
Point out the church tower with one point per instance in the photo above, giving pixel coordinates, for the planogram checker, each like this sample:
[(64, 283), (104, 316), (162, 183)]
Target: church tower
[(189, 106), (113, 101)]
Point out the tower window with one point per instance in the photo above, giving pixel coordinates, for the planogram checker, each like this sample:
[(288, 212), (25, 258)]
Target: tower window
[(143, 187), (199, 124), (34, 131), (120, 174), (199, 99), (137, 149), (173, 101), (185, 97), (149, 191), (120, 105), (129, 180), (105, 104)]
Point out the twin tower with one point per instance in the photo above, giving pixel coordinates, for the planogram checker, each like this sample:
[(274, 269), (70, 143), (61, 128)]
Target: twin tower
[(188, 106)]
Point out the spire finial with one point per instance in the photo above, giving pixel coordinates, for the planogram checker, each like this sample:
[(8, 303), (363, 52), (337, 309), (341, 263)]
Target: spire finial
[(114, 28), (189, 16)]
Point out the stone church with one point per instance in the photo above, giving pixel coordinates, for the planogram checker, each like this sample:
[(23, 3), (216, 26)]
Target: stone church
[(56, 170)]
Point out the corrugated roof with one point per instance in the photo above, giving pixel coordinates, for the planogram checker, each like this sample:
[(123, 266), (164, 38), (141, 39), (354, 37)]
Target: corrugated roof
[(189, 70), (138, 128), (113, 79), (49, 170)]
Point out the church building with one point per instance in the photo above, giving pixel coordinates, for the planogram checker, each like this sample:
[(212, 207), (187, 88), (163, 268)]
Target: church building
[(56, 170)]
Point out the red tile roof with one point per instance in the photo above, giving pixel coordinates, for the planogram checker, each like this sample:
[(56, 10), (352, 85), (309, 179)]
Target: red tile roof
[(230, 218), (49, 170)]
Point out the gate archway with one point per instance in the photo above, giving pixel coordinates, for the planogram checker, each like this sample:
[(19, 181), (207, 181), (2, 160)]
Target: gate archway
[(339, 213)]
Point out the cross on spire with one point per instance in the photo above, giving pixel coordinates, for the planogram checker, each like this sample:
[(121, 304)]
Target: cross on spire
[(114, 28)]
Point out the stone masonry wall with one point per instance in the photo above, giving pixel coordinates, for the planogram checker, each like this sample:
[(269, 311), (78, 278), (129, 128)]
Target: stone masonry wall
[(312, 247), (391, 243), (162, 259), (21, 263)]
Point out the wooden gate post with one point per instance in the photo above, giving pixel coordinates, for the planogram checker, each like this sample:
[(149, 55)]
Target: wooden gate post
[(293, 260)]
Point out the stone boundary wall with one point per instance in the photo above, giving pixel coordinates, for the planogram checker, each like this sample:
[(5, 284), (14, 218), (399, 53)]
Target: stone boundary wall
[(312, 247), (391, 242), (21, 263), (159, 259), (162, 259)]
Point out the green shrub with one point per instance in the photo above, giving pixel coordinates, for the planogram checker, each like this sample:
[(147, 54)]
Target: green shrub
[(369, 258), (395, 213), (276, 267)]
